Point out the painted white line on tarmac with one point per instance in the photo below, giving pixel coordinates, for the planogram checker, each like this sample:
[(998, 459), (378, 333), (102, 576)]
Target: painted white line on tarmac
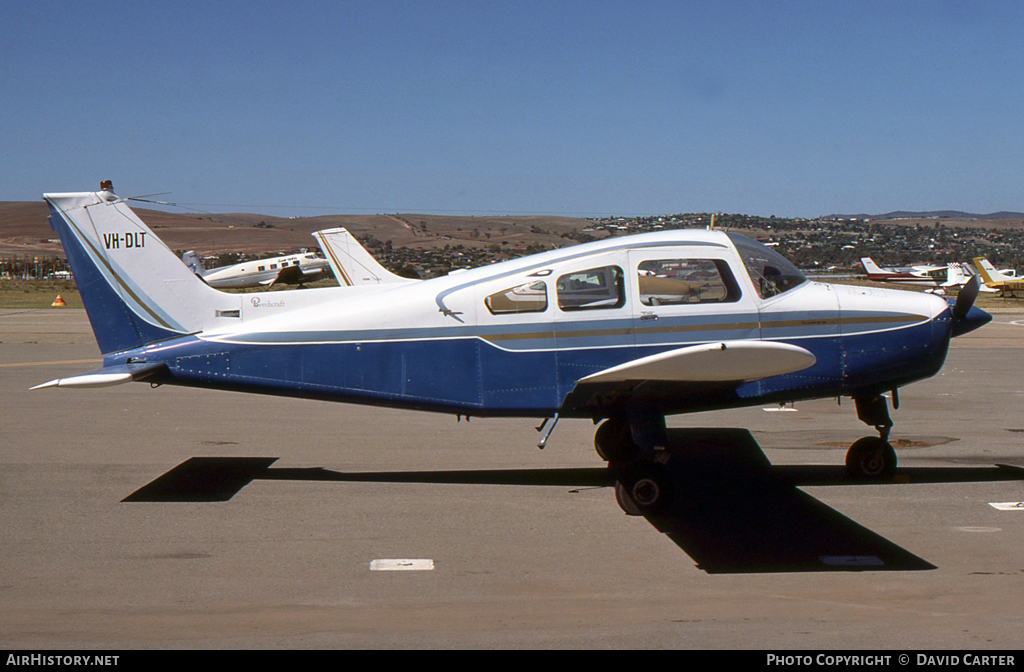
[(398, 565), (1007, 506)]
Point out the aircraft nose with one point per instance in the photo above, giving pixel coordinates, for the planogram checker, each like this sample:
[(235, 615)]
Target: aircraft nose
[(974, 318)]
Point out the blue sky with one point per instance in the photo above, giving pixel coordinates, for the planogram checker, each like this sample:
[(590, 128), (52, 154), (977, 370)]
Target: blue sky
[(479, 107)]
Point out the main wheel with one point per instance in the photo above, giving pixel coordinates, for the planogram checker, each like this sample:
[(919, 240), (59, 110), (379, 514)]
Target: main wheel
[(613, 440), (626, 502), (871, 458), (644, 489)]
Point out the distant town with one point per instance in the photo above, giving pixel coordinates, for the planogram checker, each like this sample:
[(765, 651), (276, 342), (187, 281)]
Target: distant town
[(826, 244), (822, 244)]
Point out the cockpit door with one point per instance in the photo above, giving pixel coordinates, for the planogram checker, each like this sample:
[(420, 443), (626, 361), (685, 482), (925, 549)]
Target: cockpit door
[(685, 295)]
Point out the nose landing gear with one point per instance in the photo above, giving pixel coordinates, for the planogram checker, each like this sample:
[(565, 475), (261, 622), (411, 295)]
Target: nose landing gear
[(872, 458)]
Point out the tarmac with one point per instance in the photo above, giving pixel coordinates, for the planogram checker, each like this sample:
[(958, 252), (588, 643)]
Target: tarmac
[(283, 535)]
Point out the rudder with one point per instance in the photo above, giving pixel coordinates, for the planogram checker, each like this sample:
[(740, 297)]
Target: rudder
[(134, 288)]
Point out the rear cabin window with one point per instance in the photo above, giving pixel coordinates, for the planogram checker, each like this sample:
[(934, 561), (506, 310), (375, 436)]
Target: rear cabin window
[(592, 289), (669, 282), (531, 297)]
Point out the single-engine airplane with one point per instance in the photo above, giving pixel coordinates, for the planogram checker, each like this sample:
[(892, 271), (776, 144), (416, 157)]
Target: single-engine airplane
[(913, 276), (624, 330), (1005, 284), (291, 269)]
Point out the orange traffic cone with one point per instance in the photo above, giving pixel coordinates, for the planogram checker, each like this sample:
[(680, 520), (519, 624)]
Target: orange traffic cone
[(58, 302)]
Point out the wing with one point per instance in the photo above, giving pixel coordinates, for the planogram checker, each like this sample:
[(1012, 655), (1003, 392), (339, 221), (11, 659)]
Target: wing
[(724, 361), (289, 275), (690, 377)]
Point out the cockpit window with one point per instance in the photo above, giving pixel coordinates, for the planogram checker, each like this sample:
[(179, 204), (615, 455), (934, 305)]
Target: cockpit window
[(770, 272), (594, 288)]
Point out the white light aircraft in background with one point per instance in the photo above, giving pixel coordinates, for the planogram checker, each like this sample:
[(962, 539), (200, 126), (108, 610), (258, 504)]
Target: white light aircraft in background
[(914, 276), (292, 269)]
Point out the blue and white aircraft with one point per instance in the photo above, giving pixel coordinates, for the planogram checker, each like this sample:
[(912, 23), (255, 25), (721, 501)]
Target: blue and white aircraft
[(624, 330)]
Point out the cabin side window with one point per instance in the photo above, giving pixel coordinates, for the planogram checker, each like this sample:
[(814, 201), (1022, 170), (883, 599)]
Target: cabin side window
[(592, 289), (669, 282), (531, 297)]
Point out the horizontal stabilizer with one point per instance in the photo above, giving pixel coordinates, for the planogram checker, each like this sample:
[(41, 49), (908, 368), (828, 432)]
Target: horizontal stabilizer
[(105, 377), (712, 362)]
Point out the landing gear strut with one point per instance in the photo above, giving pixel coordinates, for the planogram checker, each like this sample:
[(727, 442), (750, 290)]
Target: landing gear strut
[(872, 458), (635, 453)]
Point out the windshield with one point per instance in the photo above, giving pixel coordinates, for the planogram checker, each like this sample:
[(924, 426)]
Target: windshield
[(770, 272)]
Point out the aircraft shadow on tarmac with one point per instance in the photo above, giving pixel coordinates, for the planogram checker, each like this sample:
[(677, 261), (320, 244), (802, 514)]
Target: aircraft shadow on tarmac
[(731, 511)]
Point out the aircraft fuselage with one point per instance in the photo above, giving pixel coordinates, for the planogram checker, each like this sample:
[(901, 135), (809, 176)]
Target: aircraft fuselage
[(469, 344)]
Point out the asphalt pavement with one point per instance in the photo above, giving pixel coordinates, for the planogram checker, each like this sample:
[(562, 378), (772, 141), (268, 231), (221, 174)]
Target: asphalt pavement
[(139, 517)]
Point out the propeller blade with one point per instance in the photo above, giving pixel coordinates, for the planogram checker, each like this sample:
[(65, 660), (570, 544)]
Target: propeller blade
[(965, 298), (965, 317)]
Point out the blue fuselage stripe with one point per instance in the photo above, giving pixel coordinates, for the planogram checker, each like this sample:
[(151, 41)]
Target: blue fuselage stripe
[(470, 374)]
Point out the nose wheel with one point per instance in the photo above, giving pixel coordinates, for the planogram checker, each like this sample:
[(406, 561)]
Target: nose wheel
[(871, 458)]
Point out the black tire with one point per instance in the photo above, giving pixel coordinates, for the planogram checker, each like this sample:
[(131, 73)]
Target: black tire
[(613, 441), (622, 498), (871, 458), (645, 488)]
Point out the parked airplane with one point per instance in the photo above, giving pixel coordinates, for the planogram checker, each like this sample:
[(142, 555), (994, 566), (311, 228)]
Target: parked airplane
[(351, 263), (290, 269), (960, 274), (997, 280), (576, 332), (916, 276)]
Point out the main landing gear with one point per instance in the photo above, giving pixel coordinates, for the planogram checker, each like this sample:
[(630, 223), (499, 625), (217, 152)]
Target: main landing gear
[(636, 454), (635, 449), (872, 458)]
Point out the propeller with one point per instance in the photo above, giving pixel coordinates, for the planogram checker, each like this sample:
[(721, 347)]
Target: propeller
[(965, 316), (965, 298)]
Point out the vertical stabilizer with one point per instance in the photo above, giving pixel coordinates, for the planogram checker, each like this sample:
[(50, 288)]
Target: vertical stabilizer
[(351, 263), (870, 267), (988, 272), (192, 260), (134, 288)]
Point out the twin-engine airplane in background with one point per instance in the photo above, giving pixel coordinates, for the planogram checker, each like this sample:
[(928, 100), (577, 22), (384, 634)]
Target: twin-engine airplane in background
[(626, 330), (292, 269)]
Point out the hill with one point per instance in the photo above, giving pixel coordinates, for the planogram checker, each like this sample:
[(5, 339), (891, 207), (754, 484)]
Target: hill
[(24, 230), (935, 214)]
